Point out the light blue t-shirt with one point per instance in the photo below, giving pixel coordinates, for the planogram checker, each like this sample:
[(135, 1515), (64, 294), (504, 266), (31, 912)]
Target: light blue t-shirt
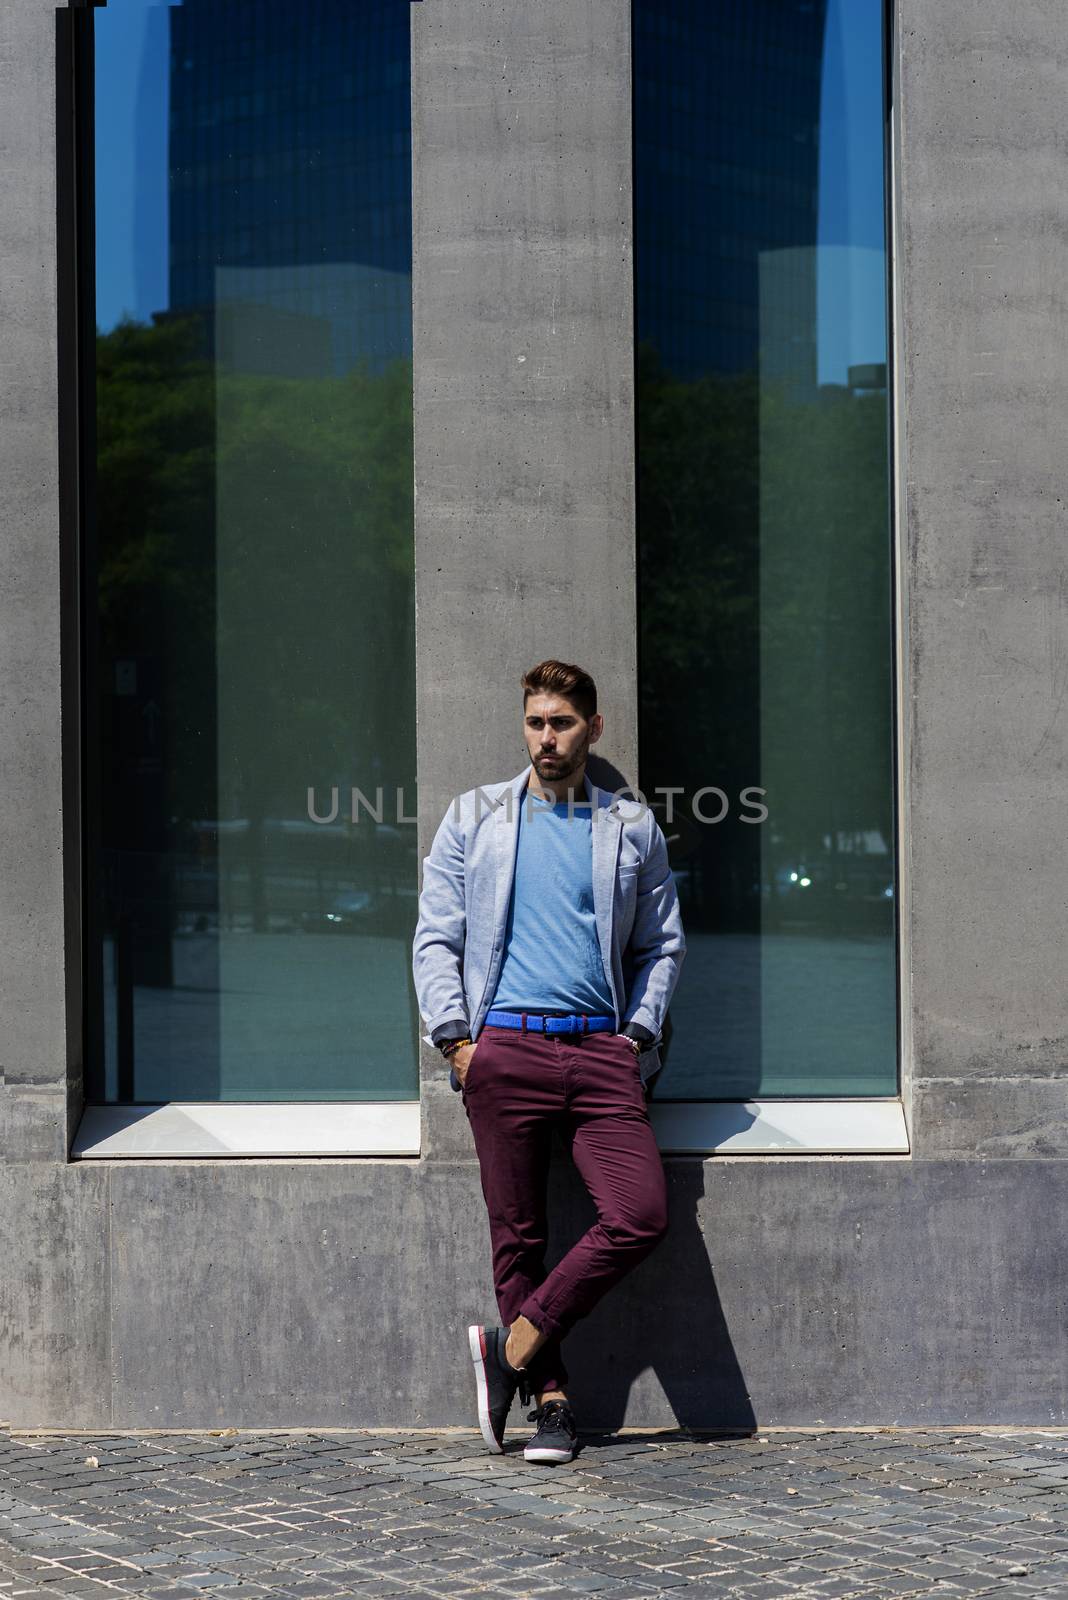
[(552, 959)]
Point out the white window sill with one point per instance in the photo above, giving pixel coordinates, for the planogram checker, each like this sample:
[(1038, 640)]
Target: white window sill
[(780, 1127), (391, 1128), (276, 1128)]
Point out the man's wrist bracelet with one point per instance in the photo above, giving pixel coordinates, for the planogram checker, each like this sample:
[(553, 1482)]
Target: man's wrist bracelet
[(449, 1047)]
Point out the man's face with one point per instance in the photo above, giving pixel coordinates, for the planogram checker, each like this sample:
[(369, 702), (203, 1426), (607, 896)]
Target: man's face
[(558, 737)]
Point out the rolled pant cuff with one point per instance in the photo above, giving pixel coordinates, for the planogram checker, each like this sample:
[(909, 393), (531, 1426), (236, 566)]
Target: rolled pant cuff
[(544, 1324)]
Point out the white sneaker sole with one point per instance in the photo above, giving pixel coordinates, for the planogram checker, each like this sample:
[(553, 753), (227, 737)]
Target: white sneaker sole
[(478, 1356), (548, 1455)]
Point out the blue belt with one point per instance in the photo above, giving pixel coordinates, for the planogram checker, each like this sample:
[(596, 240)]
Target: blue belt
[(531, 1022)]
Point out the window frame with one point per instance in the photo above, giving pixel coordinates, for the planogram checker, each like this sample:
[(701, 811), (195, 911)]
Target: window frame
[(128, 1128)]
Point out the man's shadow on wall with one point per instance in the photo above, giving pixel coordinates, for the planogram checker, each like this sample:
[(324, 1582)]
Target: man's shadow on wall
[(661, 1326), (665, 1318)]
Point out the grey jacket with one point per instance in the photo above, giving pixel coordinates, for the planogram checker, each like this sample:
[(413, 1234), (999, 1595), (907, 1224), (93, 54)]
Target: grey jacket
[(463, 910)]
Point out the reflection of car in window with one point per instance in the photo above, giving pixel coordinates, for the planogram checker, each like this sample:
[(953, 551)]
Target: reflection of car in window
[(824, 887), (348, 912), (278, 874)]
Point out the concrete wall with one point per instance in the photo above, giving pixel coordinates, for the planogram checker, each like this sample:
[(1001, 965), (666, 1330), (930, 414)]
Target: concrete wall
[(983, 375), (790, 1290)]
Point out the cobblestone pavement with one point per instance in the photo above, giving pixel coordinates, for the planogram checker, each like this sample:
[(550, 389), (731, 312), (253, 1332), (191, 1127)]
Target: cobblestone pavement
[(882, 1513)]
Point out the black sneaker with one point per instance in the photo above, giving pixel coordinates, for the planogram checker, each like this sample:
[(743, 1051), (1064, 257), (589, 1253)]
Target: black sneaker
[(496, 1380), (557, 1435)]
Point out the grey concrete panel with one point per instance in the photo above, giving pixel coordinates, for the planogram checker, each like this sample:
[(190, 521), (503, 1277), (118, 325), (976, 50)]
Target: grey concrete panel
[(926, 1291), (32, 1124), (54, 1296), (329, 1290), (993, 1118), (789, 1291), (33, 1045), (983, 266)]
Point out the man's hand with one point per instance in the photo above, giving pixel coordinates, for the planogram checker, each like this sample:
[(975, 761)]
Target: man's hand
[(460, 1060)]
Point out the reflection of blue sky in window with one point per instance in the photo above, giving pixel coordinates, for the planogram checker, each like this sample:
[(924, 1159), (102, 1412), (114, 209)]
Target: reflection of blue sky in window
[(132, 49), (851, 279), (267, 143), (131, 160), (759, 186)]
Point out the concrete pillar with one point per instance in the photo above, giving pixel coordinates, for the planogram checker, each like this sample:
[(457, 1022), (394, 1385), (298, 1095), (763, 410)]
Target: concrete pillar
[(524, 393), (982, 383)]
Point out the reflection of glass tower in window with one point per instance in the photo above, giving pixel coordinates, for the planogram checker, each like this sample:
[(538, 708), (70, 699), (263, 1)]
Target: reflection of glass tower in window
[(763, 535), (727, 108), (290, 150)]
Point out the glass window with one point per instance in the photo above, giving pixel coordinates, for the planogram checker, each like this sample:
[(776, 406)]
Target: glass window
[(764, 535), (249, 553)]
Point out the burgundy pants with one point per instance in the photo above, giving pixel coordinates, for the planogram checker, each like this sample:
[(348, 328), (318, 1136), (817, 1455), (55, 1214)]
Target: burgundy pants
[(519, 1086)]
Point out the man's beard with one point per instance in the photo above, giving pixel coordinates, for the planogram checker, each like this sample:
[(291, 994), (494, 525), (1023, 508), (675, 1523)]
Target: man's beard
[(563, 766)]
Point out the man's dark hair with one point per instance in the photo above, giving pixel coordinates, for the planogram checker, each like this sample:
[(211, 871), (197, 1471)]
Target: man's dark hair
[(560, 677)]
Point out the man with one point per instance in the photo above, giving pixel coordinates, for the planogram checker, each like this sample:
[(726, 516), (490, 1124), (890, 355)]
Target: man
[(548, 944)]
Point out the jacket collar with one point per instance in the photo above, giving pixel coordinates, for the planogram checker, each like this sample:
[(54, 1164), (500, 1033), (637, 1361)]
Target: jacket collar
[(601, 799)]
